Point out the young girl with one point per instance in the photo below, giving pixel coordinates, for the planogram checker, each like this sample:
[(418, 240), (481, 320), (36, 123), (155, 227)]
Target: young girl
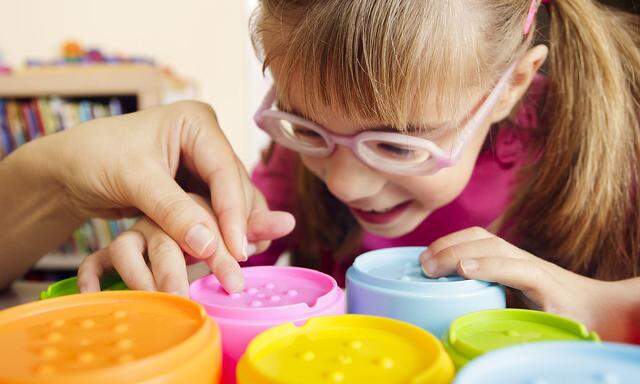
[(413, 122)]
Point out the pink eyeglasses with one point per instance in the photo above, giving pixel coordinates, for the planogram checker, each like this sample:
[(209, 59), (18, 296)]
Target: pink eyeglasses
[(388, 152), (385, 151)]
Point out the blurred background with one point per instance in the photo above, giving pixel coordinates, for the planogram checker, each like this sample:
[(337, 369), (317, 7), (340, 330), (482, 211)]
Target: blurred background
[(203, 41), (66, 61)]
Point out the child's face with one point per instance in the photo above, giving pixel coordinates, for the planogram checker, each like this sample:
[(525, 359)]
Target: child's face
[(387, 204)]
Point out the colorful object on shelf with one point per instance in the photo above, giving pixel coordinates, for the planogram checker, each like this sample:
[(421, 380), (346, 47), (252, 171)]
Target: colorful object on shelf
[(272, 296), (73, 53), (348, 349), (390, 283), (556, 363), (477, 333), (5, 69), (109, 337), (111, 282)]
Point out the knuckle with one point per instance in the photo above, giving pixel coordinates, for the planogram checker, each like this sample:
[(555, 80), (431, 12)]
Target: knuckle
[(164, 278), (477, 231), (174, 209), (162, 246), (500, 247)]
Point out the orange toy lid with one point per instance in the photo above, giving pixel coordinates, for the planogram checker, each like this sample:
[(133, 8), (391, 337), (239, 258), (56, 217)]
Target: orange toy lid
[(110, 337)]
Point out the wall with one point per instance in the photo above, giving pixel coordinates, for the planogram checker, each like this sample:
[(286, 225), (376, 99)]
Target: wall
[(206, 40)]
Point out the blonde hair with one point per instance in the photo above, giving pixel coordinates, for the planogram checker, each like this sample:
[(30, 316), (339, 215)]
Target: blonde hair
[(382, 59)]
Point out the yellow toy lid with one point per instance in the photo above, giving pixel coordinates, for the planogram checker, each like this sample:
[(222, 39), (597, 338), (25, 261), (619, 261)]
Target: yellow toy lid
[(345, 349)]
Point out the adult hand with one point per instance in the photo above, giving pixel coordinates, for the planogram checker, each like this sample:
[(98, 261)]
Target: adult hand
[(167, 268), (115, 166)]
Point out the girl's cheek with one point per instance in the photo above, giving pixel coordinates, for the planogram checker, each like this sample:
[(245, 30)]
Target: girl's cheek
[(315, 165)]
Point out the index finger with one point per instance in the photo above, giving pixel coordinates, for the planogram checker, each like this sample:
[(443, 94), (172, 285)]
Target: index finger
[(214, 160)]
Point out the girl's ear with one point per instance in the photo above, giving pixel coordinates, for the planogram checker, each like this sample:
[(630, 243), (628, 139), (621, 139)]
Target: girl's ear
[(523, 74)]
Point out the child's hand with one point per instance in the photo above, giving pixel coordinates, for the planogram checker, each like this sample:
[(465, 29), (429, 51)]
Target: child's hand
[(167, 268), (478, 254)]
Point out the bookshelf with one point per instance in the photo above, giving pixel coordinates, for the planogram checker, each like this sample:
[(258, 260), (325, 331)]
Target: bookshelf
[(150, 85), (41, 100)]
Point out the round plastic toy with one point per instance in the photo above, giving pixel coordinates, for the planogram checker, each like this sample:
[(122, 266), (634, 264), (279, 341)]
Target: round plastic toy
[(109, 337), (562, 362), (111, 282), (477, 333), (390, 283), (347, 349), (272, 296)]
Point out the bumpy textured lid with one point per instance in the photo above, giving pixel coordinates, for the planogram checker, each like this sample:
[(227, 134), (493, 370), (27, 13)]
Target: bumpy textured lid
[(556, 363), (270, 293), (345, 349), (477, 333), (105, 337), (399, 269), (111, 282)]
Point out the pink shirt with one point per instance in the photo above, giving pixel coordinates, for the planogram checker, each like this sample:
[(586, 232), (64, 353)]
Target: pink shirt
[(485, 198)]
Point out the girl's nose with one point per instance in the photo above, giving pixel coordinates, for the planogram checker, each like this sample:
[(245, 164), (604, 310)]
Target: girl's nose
[(349, 179)]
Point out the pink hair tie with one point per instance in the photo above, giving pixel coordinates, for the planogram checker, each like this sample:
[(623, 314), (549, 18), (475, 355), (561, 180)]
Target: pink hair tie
[(533, 10)]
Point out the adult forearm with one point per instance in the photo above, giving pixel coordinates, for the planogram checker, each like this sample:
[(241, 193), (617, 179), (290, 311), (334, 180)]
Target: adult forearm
[(34, 213)]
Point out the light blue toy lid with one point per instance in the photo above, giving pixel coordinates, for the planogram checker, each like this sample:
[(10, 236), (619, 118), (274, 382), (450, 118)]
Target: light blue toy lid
[(562, 362), (399, 269)]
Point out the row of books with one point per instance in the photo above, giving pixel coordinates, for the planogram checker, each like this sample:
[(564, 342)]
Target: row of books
[(23, 120)]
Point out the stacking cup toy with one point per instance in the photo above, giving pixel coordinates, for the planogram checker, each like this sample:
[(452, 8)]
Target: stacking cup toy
[(110, 282), (347, 349), (477, 333), (109, 337), (389, 282), (272, 296), (563, 362)]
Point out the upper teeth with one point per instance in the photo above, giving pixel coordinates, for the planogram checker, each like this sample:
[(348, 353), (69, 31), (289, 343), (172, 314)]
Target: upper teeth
[(382, 211)]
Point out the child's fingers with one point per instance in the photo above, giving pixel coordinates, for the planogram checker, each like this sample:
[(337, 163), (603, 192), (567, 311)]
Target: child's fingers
[(463, 236), (127, 256), (526, 275), (227, 270), (167, 263), (265, 225), (444, 262), (91, 270)]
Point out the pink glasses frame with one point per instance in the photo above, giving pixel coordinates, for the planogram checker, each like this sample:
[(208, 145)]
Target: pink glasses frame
[(267, 119)]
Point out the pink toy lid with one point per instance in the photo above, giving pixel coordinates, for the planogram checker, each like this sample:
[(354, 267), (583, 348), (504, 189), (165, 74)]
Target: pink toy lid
[(270, 293)]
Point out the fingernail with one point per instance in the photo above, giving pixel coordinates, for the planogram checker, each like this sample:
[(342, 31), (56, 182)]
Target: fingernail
[(426, 255), (430, 267), (199, 238), (82, 289), (251, 249), (235, 284), (470, 265)]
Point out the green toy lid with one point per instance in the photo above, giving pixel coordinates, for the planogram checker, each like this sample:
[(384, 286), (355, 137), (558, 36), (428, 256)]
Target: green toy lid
[(110, 282), (477, 333)]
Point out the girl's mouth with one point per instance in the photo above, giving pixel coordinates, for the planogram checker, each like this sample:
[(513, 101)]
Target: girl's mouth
[(381, 217)]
